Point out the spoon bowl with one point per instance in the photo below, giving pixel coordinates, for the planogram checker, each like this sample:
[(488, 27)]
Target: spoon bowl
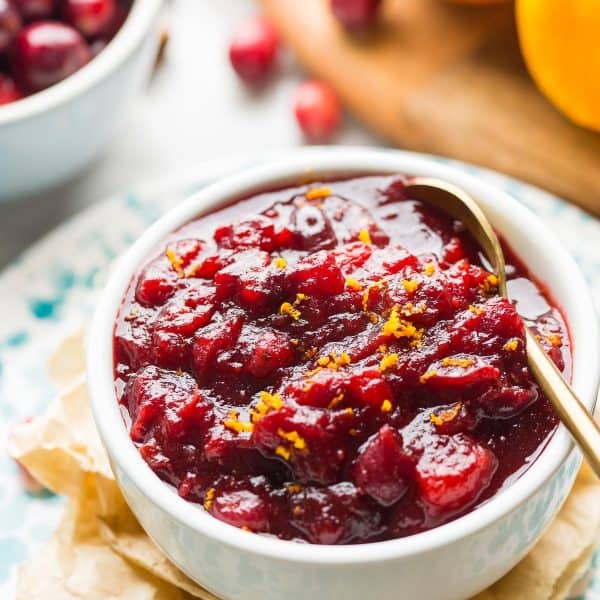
[(572, 412)]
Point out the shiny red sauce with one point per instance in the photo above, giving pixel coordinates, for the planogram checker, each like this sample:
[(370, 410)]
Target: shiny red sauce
[(331, 363)]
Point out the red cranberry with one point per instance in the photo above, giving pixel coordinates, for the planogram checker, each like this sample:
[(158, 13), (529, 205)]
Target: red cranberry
[(383, 469), (258, 232), (336, 514), (46, 52), (9, 92), (90, 17), (453, 471), (253, 50), (10, 23), (318, 110), (242, 508), (114, 24), (36, 9), (355, 14), (157, 283), (318, 274), (212, 340)]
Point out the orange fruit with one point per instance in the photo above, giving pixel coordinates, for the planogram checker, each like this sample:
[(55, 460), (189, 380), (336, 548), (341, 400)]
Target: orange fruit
[(560, 40), (478, 2)]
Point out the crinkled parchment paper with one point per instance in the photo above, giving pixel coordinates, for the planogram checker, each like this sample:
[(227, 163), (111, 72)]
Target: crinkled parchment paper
[(100, 552)]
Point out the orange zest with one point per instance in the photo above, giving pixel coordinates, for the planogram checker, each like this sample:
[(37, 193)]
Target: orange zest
[(319, 192), (445, 416)]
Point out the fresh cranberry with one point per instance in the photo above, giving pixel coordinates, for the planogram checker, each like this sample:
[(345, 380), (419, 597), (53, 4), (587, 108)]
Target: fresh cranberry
[(46, 52), (89, 17), (117, 21), (36, 9), (253, 50), (317, 110), (9, 92), (355, 14), (10, 23)]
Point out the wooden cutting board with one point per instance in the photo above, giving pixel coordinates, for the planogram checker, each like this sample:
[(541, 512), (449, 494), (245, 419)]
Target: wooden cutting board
[(447, 79)]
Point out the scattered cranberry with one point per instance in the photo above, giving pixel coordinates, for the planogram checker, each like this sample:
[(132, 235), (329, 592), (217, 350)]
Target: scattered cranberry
[(9, 92), (317, 110), (90, 17), (253, 50), (355, 14), (46, 52), (36, 9), (10, 23)]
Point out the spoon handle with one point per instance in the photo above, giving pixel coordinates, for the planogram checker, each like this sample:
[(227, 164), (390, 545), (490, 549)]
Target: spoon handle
[(571, 411)]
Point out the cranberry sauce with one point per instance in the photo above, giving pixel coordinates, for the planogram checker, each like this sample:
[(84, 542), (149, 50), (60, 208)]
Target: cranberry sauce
[(331, 363)]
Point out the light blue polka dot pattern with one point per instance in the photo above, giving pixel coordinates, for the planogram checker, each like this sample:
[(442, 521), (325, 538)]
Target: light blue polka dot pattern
[(52, 292)]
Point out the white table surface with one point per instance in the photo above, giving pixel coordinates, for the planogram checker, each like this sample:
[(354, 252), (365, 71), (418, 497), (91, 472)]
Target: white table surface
[(194, 110)]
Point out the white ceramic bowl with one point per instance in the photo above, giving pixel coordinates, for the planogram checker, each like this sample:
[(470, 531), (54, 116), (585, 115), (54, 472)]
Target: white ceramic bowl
[(49, 136), (453, 561)]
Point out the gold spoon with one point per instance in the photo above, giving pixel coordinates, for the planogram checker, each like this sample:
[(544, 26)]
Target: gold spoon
[(570, 409)]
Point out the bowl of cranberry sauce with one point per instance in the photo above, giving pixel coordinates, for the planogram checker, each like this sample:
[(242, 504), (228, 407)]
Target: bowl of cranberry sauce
[(68, 69), (331, 363), (308, 386)]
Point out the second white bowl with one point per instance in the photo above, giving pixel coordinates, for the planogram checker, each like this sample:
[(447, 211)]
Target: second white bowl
[(49, 136)]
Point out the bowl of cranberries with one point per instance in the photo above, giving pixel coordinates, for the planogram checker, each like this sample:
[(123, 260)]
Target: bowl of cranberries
[(308, 385), (67, 70)]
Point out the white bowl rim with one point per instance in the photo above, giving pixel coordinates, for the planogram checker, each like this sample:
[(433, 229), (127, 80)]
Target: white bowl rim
[(314, 162), (123, 44)]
